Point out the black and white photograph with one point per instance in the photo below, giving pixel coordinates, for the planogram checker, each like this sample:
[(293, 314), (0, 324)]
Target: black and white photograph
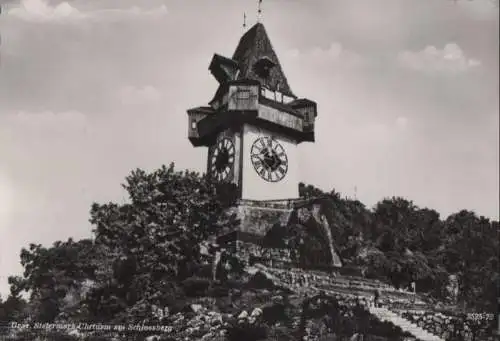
[(249, 170)]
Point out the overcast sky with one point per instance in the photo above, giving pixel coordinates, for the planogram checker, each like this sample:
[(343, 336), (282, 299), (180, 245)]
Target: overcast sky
[(407, 95)]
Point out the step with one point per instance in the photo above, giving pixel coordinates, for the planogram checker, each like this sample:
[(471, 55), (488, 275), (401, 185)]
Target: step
[(382, 313), (415, 330)]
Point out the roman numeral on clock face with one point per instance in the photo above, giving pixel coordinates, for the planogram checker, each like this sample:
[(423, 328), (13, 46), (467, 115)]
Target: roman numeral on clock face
[(257, 164), (262, 172), (281, 171)]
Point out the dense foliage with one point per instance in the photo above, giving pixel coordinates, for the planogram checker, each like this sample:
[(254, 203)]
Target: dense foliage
[(145, 253), (140, 251), (402, 243)]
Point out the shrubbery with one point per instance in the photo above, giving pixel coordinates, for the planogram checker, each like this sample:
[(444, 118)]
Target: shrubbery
[(146, 253), (196, 287)]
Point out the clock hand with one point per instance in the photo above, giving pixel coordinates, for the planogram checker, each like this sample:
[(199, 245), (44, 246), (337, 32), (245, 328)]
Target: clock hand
[(266, 162), (261, 158), (269, 146), (277, 161)]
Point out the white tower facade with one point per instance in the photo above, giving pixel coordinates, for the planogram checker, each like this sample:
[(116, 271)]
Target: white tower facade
[(254, 124)]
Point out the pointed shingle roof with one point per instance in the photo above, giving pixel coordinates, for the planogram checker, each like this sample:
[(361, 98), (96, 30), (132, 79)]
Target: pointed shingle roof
[(254, 46)]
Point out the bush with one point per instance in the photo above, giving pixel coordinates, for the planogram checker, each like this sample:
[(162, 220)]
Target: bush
[(195, 286), (246, 332), (274, 313), (260, 281), (204, 271), (218, 291)]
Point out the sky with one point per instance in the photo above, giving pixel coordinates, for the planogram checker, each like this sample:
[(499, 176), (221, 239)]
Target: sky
[(407, 95)]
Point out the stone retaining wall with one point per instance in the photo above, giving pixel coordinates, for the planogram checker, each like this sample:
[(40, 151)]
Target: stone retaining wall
[(345, 284), (250, 252), (453, 326), (258, 218)]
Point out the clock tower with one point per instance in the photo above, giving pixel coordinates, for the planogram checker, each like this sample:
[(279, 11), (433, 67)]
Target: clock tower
[(253, 127), (254, 123)]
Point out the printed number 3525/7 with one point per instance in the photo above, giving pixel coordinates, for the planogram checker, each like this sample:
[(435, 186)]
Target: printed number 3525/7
[(480, 316)]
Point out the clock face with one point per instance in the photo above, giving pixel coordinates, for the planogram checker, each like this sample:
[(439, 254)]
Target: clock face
[(269, 159), (222, 159)]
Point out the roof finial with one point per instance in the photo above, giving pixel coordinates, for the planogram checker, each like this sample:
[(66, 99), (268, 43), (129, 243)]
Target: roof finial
[(259, 11), (244, 20)]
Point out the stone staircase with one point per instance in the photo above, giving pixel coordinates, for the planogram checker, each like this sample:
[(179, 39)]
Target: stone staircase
[(356, 288), (384, 314), (344, 285)]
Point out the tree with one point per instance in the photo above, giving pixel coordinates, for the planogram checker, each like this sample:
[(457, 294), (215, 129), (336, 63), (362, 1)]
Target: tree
[(155, 239), (402, 218), (309, 191), (51, 273), (143, 250), (14, 308), (471, 252), (140, 252)]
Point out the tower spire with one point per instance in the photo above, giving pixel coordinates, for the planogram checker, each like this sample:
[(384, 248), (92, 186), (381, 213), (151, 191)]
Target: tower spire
[(259, 11)]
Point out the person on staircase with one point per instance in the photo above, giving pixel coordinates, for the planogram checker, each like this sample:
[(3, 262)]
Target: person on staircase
[(376, 299)]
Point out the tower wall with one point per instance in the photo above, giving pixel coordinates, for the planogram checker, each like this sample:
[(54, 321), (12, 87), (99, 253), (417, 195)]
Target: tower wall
[(253, 186)]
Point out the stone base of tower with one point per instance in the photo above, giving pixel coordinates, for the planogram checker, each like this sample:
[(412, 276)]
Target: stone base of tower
[(249, 250), (256, 218), (250, 241)]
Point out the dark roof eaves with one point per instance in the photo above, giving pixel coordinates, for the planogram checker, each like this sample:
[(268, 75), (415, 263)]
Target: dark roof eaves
[(203, 109)]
